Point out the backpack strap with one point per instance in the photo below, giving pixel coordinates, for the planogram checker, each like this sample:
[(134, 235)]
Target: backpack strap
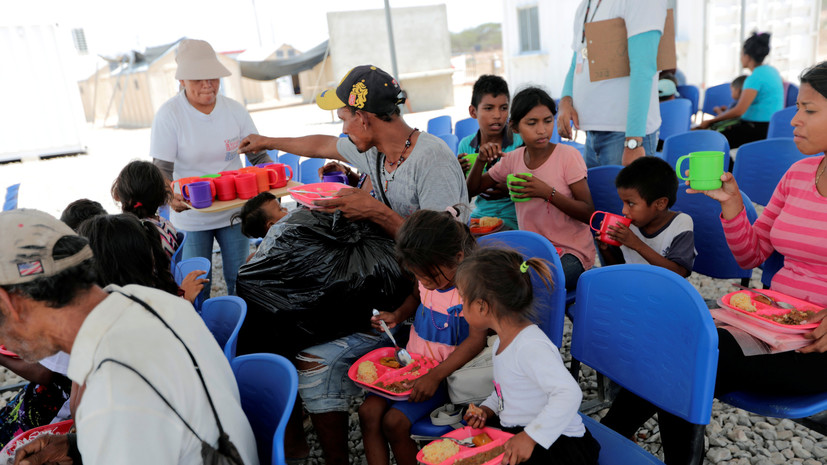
[(192, 358)]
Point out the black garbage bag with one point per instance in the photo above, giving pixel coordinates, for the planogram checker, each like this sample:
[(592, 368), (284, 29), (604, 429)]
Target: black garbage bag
[(320, 278)]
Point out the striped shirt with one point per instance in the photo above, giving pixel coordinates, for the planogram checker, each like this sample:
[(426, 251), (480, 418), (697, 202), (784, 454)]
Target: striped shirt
[(439, 325), (795, 224)]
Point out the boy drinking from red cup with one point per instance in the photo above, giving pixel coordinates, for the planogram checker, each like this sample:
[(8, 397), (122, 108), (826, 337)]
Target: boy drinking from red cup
[(658, 236)]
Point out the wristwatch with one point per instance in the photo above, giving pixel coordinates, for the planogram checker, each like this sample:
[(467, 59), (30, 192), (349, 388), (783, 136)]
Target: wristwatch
[(632, 144)]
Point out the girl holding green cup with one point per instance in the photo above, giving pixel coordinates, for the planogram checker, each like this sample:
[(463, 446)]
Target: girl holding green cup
[(546, 181)]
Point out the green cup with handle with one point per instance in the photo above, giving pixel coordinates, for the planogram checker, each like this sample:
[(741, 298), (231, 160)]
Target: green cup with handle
[(705, 170), (516, 189), (471, 158)]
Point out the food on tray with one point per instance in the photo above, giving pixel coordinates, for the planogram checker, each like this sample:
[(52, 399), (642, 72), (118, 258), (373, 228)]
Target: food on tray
[(366, 372), (794, 317), (389, 362), (439, 451), (488, 222), (762, 299), (474, 410), (481, 439), (482, 457), (397, 387), (742, 300)]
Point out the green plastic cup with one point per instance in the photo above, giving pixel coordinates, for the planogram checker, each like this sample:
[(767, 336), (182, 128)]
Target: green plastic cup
[(211, 176), (471, 158), (516, 189), (705, 170)]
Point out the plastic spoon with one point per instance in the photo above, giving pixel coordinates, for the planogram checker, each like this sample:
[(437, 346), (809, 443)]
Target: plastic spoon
[(467, 442), (402, 355), (773, 302)]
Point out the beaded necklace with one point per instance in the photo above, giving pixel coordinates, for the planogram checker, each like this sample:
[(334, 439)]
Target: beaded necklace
[(398, 163)]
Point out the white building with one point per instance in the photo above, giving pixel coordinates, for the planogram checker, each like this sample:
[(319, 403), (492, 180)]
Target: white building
[(537, 36)]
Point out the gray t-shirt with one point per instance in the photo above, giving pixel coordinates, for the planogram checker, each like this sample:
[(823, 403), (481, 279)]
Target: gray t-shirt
[(430, 178)]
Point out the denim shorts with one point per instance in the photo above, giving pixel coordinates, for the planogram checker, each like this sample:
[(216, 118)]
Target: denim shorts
[(327, 388)]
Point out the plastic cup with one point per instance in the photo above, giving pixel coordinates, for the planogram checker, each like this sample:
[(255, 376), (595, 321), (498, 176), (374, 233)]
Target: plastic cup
[(516, 189), (609, 219), (246, 185), (225, 188), (199, 194), (705, 170), (471, 158), (335, 176)]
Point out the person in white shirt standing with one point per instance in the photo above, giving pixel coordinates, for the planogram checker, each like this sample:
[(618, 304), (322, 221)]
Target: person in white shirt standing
[(156, 387), (621, 116), (198, 132)]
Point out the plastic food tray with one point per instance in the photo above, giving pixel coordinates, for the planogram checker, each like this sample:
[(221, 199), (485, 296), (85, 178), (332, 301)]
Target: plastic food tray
[(763, 310), (498, 438), (477, 230), (62, 427), (7, 352), (390, 375), (309, 193)]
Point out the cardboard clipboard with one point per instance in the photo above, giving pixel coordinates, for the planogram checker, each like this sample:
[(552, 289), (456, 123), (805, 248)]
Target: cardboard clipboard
[(608, 48)]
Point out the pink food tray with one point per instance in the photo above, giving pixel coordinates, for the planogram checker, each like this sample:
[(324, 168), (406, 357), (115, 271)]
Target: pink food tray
[(763, 310), (7, 352), (308, 193), (62, 427), (387, 375), (498, 438)]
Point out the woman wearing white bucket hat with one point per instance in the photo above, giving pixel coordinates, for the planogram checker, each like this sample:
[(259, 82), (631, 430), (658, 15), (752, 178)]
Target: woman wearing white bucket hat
[(197, 132)]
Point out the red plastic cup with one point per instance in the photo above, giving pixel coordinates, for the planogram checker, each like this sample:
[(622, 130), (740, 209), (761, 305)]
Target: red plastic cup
[(608, 220), (246, 185), (225, 187), (281, 171)]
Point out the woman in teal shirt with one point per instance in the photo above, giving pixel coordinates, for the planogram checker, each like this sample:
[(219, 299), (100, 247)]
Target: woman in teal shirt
[(761, 96)]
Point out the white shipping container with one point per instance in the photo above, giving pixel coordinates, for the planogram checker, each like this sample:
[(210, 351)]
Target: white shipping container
[(40, 107)]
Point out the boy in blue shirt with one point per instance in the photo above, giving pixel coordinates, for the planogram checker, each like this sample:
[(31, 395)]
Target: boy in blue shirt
[(489, 106), (658, 236)]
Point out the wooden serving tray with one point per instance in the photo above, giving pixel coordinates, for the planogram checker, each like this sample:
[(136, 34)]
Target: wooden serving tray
[(224, 205)]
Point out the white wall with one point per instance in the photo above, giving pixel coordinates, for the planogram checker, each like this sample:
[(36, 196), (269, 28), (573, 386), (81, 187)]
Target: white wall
[(547, 67), (423, 50)]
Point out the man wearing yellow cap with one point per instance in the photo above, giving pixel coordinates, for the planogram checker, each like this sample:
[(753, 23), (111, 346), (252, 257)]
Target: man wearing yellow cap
[(409, 169)]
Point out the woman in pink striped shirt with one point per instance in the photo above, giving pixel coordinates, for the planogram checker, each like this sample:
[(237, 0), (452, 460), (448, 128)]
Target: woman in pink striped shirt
[(795, 224)]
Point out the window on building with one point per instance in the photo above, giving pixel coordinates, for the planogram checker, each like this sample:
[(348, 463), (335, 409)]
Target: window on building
[(529, 27), (279, 53), (291, 53), (79, 38)]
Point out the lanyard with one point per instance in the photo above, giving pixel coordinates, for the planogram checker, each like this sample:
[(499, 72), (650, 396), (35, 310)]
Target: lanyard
[(586, 16)]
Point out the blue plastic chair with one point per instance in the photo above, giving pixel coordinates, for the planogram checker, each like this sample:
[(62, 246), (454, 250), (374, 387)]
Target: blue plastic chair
[(11, 197), (760, 165), (792, 95), (716, 96), (176, 256), (771, 265), (224, 316), (649, 330), (679, 145), (440, 125), (691, 93), (268, 385), (780, 124), (714, 256), (601, 180), (309, 170), (185, 267), (675, 117), (615, 449), (274, 154), (466, 127), (293, 162), (550, 304), (451, 140)]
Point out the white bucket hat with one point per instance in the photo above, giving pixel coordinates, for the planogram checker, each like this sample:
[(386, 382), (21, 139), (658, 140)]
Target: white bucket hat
[(197, 60)]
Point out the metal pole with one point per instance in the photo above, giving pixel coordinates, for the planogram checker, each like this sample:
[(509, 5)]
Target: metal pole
[(390, 38)]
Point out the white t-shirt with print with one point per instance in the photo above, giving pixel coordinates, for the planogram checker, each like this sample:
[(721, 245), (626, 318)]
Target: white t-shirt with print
[(200, 144), (602, 105)]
